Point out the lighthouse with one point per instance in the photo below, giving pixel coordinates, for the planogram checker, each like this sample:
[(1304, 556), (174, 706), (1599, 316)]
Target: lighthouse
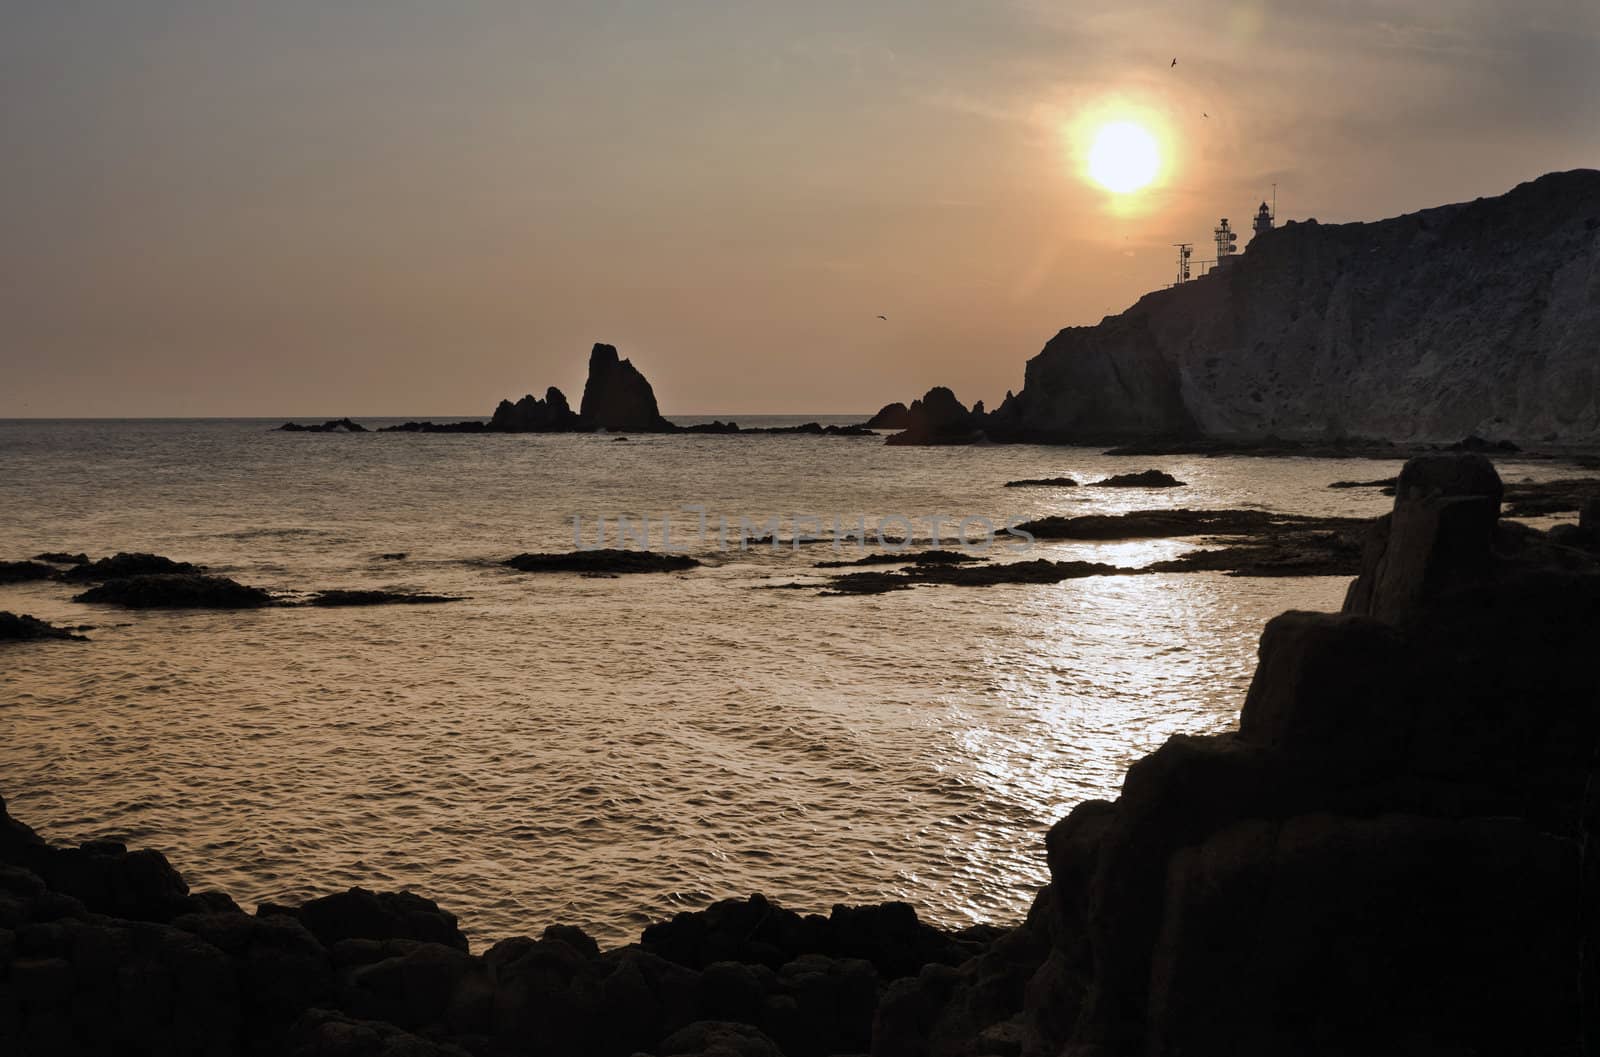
[(1263, 220)]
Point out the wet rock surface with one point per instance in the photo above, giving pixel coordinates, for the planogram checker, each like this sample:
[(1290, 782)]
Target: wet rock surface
[(20, 627), (25, 572), (177, 591), (606, 560), (930, 557), (123, 564), (1182, 522)]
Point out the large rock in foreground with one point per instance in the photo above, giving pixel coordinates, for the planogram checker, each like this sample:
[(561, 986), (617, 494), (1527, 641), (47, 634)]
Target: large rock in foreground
[(1388, 857)]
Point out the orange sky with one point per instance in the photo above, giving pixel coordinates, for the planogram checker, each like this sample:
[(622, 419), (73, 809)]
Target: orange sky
[(398, 207)]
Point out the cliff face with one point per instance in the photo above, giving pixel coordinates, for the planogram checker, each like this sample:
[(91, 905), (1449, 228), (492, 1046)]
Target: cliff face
[(1481, 317)]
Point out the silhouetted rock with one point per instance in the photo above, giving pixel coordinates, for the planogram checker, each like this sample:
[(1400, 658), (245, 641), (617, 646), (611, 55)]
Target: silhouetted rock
[(1476, 444), (711, 1038), (938, 418), (1043, 482), (1037, 571), (891, 416), (1543, 498), (1386, 483), (336, 425), (19, 627), (469, 426), (1173, 524), (62, 558), (376, 598), (363, 914), (617, 396), (123, 564), (931, 557), (532, 415), (605, 560), (23, 572), (1144, 479), (177, 591)]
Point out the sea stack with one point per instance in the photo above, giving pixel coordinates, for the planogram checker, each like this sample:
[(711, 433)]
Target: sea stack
[(617, 397)]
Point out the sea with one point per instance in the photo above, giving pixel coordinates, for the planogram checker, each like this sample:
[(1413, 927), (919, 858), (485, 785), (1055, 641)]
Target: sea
[(606, 752)]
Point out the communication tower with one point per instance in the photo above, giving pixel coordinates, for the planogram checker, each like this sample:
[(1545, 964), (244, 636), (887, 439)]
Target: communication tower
[(1185, 251), (1227, 239)]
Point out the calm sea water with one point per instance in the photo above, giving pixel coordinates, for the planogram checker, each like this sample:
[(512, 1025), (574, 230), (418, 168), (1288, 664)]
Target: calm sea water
[(602, 752)]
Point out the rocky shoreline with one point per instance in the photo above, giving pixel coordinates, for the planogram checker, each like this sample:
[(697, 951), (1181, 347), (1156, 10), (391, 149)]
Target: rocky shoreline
[(1390, 855)]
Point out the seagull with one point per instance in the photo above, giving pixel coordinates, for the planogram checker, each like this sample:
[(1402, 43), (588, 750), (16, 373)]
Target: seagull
[(1174, 63), (1204, 114), (884, 318)]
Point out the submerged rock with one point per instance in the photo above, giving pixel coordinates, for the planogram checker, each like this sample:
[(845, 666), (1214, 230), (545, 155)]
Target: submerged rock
[(376, 598), (177, 591), (334, 425), (124, 564), (19, 627), (930, 557), (605, 560), (1144, 479)]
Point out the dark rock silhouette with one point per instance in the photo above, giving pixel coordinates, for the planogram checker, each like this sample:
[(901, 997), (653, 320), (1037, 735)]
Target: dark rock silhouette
[(360, 914), (532, 415), (1420, 760), (23, 572), (891, 416), (1183, 522), (337, 425), (617, 397), (62, 558), (1543, 498), (1043, 482), (19, 627), (1386, 483), (928, 557), (469, 426), (1323, 331), (124, 564), (1144, 479), (938, 418), (177, 591), (606, 560), (346, 597)]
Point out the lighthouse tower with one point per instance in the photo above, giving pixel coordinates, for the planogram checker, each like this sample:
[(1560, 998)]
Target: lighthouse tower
[(1263, 220)]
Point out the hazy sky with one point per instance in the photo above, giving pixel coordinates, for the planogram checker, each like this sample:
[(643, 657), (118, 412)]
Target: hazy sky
[(329, 207)]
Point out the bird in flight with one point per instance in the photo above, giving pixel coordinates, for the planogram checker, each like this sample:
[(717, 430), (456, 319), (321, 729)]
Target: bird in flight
[(884, 318), (1204, 114), (1174, 63)]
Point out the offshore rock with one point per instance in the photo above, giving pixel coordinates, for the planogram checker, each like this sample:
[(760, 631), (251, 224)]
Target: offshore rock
[(939, 418), (891, 416), (1479, 318), (124, 564), (606, 561), (177, 591), (532, 415), (19, 627), (617, 397), (24, 572), (337, 425)]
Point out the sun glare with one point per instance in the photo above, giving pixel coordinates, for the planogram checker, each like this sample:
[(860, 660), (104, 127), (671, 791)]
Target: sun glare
[(1124, 157)]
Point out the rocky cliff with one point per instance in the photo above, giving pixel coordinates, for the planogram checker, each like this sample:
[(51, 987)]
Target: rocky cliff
[(1476, 318)]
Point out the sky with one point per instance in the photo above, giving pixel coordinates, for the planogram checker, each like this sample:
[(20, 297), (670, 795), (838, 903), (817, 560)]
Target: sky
[(399, 207)]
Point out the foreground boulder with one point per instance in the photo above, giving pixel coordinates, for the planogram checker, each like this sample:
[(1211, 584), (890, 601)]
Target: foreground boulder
[(1386, 857)]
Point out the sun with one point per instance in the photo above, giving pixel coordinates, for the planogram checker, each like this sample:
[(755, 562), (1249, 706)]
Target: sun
[(1124, 157)]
